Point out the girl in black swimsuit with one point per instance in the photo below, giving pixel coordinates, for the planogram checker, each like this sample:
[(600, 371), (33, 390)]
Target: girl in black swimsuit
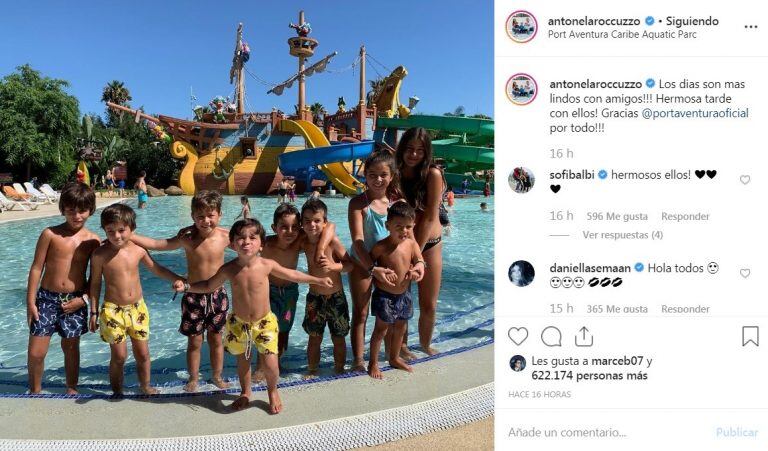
[(423, 185)]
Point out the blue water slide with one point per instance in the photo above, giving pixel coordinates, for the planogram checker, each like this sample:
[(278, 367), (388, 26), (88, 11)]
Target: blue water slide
[(325, 155)]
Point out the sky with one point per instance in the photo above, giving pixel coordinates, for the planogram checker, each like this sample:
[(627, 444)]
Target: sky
[(160, 49)]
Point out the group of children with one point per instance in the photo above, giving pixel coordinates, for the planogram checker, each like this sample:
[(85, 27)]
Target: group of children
[(385, 260)]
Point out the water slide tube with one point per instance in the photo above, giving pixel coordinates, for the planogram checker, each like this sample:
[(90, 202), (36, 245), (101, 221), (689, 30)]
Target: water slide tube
[(314, 138)]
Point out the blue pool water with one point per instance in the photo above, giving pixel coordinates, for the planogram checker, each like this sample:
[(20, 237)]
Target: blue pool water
[(464, 316)]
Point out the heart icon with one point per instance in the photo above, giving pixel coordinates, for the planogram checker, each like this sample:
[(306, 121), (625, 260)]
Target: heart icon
[(699, 173), (745, 179), (554, 188), (745, 272), (518, 335), (711, 173)]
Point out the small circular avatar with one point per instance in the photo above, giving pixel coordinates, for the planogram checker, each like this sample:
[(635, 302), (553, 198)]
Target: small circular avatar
[(522, 26), (521, 180), (521, 89), (517, 363), (521, 273)]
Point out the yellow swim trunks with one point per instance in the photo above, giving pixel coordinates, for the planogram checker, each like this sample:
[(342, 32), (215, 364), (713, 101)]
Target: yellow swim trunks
[(118, 321), (239, 335)]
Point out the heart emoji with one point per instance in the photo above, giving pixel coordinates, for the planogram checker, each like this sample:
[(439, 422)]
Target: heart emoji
[(711, 173), (745, 179), (554, 188), (745, 272), (699, 173), (518, 335)]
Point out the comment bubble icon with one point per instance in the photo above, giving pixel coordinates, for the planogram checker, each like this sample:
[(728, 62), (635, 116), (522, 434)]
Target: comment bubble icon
[(551, 336)]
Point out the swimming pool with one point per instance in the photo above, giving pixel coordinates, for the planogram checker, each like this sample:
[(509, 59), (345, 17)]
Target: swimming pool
[(464, 314)]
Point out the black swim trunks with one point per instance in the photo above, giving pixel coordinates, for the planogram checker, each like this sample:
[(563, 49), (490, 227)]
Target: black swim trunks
[(201, 312)]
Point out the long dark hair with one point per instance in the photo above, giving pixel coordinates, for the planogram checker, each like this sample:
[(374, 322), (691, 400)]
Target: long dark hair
[(415, 191), (383, 155)]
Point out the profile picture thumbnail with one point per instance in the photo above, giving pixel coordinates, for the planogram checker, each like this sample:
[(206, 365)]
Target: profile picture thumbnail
[(521, 89), (517, 363), (521, 180), (521, 273), (522, 26)]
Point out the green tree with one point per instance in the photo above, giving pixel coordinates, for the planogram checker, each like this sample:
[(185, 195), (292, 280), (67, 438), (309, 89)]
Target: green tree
[(458, 112), (317, 110), (115, 92), (38, 124)]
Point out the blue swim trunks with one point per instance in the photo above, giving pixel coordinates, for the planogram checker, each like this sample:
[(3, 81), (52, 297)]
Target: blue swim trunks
[(282, 302), (53, 319), (390, 307)]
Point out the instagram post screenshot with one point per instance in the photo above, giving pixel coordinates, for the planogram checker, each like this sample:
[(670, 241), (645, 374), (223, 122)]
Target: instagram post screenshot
[(629, 237), (245, 225)]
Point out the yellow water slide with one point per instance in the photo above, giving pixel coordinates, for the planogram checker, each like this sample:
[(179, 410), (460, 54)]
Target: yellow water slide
[(314, 137)]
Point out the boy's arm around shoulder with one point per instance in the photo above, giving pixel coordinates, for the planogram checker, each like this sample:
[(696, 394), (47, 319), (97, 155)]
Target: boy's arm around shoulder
[(36, 272), (296, 276), (326, 238), (167, 244)]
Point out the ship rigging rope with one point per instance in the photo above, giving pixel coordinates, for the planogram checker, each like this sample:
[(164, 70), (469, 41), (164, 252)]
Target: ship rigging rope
[(259, 79), (344, 69), (379, 63)]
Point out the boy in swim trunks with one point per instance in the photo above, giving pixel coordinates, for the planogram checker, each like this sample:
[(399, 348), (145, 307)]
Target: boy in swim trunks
[(394, 306), (251, 323), (325, 304), (204, 244), (56, 285), (124, 313), (284, 248)]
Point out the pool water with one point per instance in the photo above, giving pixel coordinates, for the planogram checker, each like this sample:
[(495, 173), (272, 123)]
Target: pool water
[(464, 310)]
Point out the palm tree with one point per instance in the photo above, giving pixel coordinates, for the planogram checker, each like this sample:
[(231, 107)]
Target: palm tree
[(115, 92), (317, 109)]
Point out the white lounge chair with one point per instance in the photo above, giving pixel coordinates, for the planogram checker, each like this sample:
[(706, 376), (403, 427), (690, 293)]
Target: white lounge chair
[(50, 192), (32, 196), (40, 196), (11, 204)]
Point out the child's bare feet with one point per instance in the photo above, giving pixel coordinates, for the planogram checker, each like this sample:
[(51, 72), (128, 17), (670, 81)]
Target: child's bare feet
[(241, 402), (406, 354), (358, 365), (339, 369), (310, 374), (375, 372), (400, 364), (219, 383), (275, 403), (429, 350), (191, 386), (72, 391), (149, 390)]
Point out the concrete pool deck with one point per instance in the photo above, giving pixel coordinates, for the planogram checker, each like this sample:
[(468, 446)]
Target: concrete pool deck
[(446, 387), (310, 410)]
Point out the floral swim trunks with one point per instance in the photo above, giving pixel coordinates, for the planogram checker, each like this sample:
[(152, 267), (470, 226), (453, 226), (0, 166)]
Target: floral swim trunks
[(201, 312), (331, 309), (53, 319), (239, 335), (282, 302), (116, 322), (390, 307)]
